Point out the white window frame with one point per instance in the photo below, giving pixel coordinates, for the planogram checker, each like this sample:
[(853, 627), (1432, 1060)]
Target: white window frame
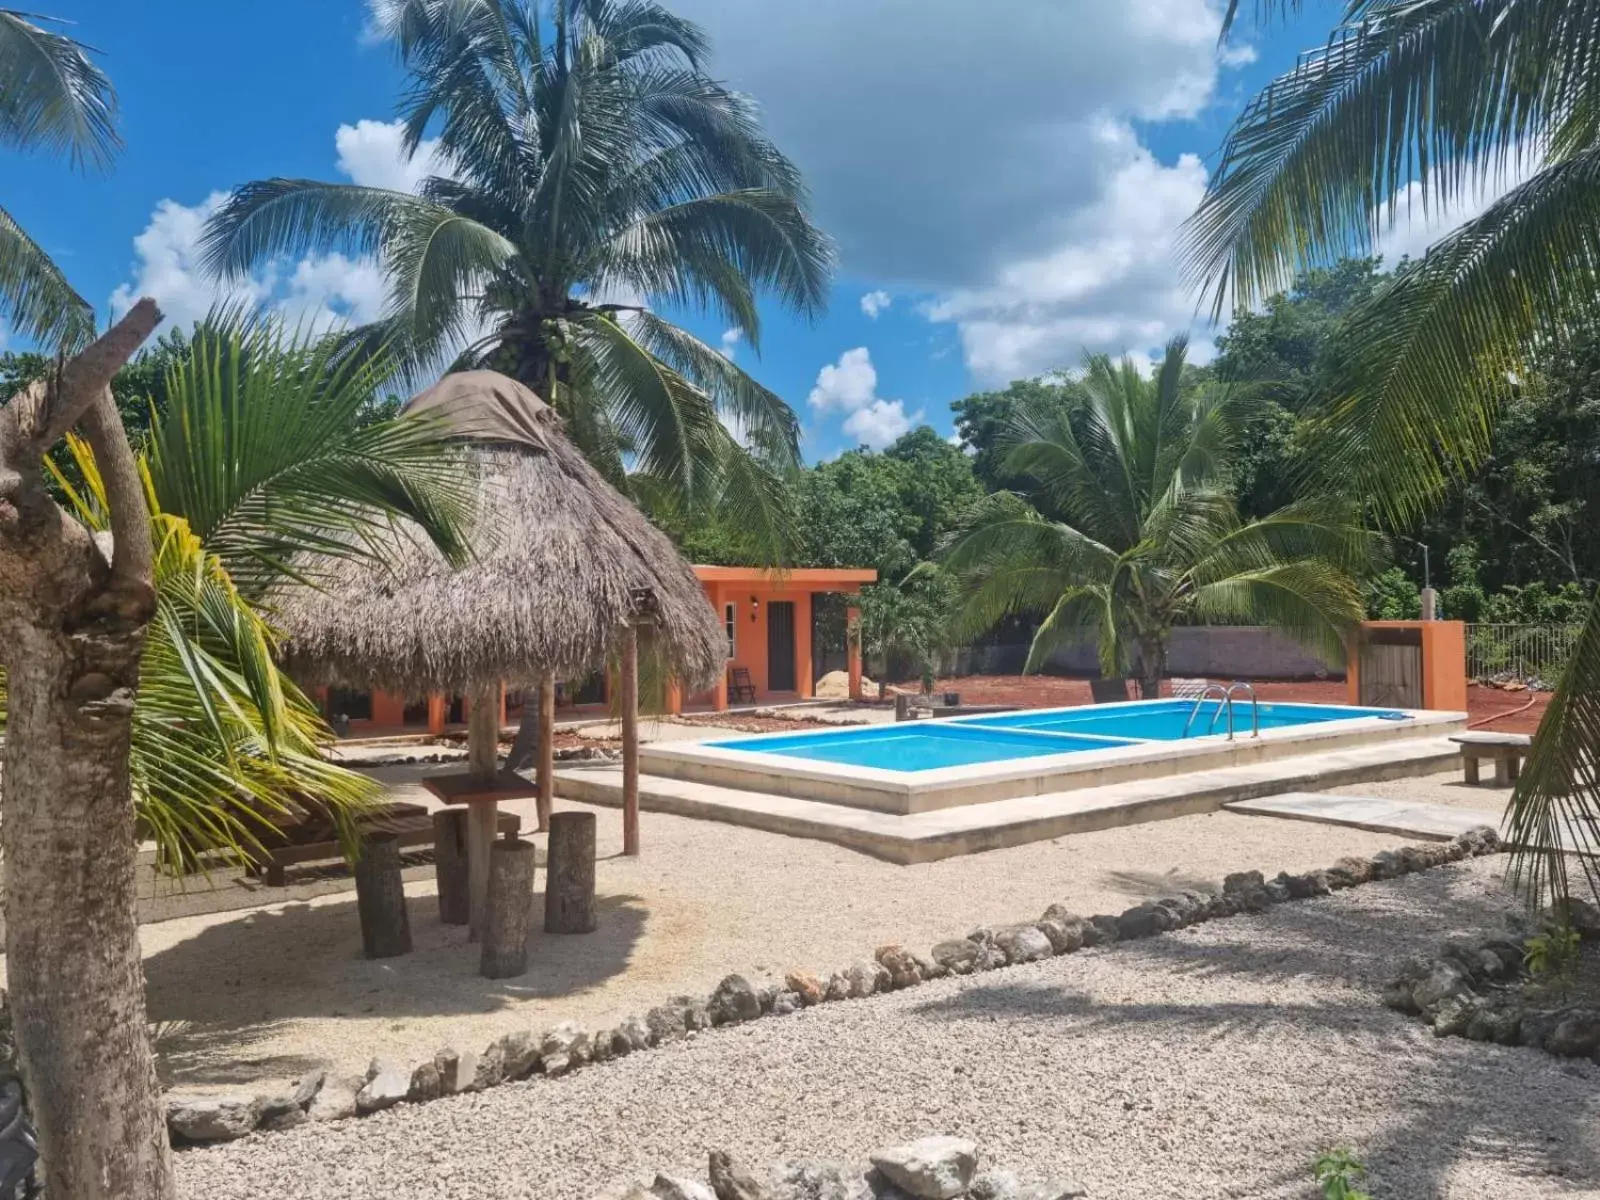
[(730, 627)]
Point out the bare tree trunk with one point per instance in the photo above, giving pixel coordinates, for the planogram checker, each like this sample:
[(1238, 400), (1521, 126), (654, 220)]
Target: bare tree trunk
[(71, 632), (1152, 667)]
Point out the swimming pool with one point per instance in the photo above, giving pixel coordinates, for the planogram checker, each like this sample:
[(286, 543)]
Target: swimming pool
[(965, 741), (922, 766)]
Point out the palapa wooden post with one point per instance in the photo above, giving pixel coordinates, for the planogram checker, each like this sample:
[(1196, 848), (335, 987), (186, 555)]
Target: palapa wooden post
[(483, 758), (630, 741), (381, 898), (505, 929), (569, 874), (450, 865), (546, 777)]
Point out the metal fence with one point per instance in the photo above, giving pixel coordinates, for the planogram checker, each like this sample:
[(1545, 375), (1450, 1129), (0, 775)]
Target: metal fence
[(1533, 653)]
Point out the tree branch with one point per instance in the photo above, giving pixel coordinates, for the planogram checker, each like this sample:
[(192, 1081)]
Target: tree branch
[(131, 552)]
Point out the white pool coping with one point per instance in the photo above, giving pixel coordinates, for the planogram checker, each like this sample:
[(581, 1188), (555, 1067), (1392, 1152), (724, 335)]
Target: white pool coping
[(906, 792)]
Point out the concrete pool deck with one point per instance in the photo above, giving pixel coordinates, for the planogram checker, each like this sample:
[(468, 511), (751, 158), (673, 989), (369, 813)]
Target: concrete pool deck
[(967, 829)]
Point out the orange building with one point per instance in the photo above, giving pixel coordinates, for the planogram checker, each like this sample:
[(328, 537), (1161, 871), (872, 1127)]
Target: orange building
[(769, 619)]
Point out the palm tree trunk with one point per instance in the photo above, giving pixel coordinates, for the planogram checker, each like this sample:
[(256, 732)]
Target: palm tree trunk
[(1152, 666), (72, 943), (71, 631)]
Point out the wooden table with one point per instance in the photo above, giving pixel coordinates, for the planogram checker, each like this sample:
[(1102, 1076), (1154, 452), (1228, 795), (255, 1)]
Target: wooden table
[(1506, 750), (482, 800)]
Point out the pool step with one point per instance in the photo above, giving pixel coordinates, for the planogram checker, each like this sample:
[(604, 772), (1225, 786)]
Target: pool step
[(968, 829)]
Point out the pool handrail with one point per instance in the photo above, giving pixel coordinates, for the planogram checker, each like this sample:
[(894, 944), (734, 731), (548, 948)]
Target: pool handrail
[(1222, 695), (1255, 708)]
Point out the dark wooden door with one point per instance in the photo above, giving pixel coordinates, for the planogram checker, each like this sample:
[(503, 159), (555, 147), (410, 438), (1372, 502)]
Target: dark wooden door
[(1391, 676), (780, 646)]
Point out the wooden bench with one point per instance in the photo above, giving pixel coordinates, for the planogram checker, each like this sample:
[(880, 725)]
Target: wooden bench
[(315, 839), (1507, 750)]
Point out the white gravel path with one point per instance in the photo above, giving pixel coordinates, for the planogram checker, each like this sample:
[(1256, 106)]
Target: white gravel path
[(1214, 1062), (248, 999)]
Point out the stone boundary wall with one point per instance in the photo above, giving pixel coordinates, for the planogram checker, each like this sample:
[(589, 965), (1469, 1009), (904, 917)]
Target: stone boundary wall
[(321, 1096), (1224, 652)]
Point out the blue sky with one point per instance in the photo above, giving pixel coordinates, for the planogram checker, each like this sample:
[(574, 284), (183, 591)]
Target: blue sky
[(1004, 191)]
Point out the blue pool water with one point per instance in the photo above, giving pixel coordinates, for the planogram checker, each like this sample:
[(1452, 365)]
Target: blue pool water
[(928, 745)]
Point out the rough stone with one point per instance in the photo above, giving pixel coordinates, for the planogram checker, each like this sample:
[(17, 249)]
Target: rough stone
[(519, 1053), (1454, 1014), (807, 986), (1579, 914), (425, 1083), (696, 1010), (1576, 1035), (1443, 980), (1142, 921), (1243, 881), (1057, 1189), (901, 965), (563, 1048), (291, 1118), (1101, 930), (1276, 891), (1537, 1026), (677, 1187), (866, 978), (1064, 928), (838, 987), (335, 1099), (993, 1184), (730, 1181), (603, 1045), (786, 1002), (1303, 887), (735, 1000), (213, 1118), (928, 968), (1023, 944), (767, 993), (958, 955), (816, 1180), (636, 1032), (1340, 877), (1386, 864), (665, 1023), (932, 1168), (387, 1085), (288, 1109), (1498, 1023)]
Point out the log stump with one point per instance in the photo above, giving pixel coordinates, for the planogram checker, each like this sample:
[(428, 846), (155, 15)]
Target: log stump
[(381, 898), (509, 911), (569, 874), (450, 865)]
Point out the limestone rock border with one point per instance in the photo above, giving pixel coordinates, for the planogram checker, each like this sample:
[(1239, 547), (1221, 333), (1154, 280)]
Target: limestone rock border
[(566, 1047)]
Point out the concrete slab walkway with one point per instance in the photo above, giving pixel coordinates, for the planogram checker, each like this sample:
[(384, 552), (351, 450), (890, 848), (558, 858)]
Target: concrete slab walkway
[(1436, 822)]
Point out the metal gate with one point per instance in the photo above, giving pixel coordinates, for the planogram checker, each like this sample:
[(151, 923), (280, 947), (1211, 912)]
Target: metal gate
[(1391, 669)]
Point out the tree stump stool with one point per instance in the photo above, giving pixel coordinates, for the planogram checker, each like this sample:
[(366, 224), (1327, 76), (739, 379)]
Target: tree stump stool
[(569, 874), (381, 898), (450, 865), (509, 911)]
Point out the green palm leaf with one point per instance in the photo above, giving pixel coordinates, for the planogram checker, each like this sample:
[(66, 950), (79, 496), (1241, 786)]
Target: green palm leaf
[(35, 297), (52, 96)]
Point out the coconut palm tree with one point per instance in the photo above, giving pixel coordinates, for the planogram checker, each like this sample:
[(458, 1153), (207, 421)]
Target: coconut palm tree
[(52, 98), (1426, 103), (587, 169), (1136, 531)]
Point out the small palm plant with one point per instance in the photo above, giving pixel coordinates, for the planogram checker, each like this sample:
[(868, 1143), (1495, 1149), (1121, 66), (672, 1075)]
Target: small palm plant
[(1136, 532), (1428, 104), (590, 169)]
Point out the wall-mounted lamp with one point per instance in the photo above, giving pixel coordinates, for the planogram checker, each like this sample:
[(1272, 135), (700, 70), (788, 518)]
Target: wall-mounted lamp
[(755, 607)]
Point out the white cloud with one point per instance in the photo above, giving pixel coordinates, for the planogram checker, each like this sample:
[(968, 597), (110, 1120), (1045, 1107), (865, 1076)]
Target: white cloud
[(372, 154), (1046, 157), (1417, 224), (730, 343), (1108, 284), (880, 423), (316, 292), (876, 302), (850, 386)]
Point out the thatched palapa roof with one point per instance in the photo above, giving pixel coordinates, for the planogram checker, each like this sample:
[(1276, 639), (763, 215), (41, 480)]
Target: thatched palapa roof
[(563, 562)]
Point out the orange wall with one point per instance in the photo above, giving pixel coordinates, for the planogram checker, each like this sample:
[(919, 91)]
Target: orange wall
[(750, 637), (1444, 663)]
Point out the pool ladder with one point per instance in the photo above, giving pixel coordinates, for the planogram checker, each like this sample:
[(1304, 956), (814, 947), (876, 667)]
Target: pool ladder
[(1225, 695)]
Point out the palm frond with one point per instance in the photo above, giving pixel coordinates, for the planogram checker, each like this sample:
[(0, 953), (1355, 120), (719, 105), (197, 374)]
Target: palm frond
[(35, 297), (52, 95)]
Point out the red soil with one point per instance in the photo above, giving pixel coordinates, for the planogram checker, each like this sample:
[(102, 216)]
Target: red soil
[(1040, 691)]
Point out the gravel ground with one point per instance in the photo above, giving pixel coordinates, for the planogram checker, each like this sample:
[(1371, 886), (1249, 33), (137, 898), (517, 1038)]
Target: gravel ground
[(242, 999), (1215, 1062)]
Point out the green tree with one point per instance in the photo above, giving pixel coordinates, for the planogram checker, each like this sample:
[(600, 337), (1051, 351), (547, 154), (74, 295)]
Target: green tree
[(586, 156), (52, 98), (983, 420), (1422, 104), (851, 514), (937, 486), (1137, 532)]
